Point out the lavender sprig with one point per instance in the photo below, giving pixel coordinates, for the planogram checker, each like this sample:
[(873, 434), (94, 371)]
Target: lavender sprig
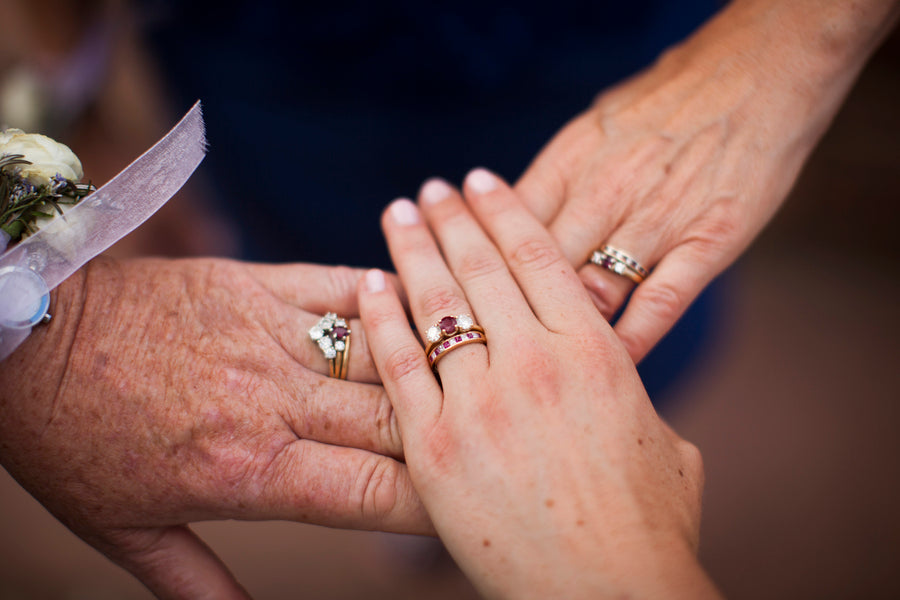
[(22, 203)]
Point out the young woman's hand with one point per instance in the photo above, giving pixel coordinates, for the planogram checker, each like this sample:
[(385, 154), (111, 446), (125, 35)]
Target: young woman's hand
[(538, 456)]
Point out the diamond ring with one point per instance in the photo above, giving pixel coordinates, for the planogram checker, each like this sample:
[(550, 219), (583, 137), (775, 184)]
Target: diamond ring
[(450, 333), (620, 263), (333, 338)]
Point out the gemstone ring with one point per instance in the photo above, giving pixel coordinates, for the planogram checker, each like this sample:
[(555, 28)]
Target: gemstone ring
[(333, 338), (620, 263), (450, 333)]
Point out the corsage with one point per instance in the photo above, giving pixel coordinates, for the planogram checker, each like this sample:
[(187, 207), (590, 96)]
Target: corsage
[(51, 225)]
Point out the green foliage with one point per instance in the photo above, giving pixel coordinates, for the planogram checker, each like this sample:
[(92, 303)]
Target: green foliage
[(21, 203)]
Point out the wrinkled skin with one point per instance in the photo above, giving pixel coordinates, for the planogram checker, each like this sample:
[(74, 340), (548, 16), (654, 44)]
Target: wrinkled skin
[(166, 392), (540, 458), (684, 164)]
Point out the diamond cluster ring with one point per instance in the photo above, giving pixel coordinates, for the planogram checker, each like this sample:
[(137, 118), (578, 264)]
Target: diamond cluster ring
[(333, 338), (450, 333)]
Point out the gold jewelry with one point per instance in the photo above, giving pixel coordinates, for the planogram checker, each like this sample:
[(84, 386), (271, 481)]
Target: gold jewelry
[(333, 338), (620, 263), (450, 333)]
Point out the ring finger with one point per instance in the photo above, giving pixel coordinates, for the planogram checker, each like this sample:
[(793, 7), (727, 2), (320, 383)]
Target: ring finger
[(612, 272), (433, 292)]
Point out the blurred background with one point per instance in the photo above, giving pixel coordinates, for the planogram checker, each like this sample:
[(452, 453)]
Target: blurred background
[(792, 391)]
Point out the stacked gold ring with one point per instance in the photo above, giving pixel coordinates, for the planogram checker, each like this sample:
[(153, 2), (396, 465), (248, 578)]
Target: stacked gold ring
[(333, 338), (620, 263), (450, 333)]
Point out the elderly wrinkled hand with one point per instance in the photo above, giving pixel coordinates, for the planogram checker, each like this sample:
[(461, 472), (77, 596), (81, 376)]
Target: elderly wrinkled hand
[(167, 392), (678, 169)]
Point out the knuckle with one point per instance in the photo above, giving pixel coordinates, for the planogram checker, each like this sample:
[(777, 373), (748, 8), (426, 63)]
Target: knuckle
[(534, 254), (662, 300), (606, 355), (402, 362), (233, 468), (375, 319), (531, 352), (721, 231), (477, 265), (439, 300), (722, 223), (692, 459), (341, 281), (130, 546), (378, 489), (661, 305), (637, 343), (388, 427)]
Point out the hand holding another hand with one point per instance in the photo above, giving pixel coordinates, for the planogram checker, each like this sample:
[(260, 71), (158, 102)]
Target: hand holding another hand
[(167, 392)]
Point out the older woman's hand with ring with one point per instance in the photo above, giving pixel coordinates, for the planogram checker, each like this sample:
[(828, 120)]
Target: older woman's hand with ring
[(537, 454), (167, 392), (680, 167)]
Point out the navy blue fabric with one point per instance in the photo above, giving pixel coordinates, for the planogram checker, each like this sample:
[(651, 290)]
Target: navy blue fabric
[(318, 115)]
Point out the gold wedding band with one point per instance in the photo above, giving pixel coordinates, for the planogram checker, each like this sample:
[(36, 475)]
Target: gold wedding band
[(619, 262), (450, 333)]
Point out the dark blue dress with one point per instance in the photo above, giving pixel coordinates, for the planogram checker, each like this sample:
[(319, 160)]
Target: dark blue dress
[(318, 115)]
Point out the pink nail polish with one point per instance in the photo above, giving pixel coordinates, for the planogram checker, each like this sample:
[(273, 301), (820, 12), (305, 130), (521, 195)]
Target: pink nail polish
[(404, 212), (375, 281), (435, 190), (481, 181)]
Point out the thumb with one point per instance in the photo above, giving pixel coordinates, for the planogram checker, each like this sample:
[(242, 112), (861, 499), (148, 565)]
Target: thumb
[(173, 563)]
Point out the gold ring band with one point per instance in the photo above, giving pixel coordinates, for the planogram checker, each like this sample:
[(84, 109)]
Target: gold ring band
[(626, 258), (619, 263), (332, 336), (450, 333)]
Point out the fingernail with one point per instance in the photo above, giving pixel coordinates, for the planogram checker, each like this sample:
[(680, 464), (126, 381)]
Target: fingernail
[(404, 212), (481, 181), (434, 190), (375, 281)]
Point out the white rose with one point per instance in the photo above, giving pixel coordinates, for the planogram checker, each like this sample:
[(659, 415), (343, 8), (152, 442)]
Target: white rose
[(48, 157), (7, 135)]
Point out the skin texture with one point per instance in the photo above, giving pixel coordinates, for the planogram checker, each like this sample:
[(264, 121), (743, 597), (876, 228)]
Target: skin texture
[(684, 164), (129, 418), (167, 392), (541, 461)]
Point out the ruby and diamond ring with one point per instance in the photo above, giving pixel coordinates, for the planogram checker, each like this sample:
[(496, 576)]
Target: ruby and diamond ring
[(450, 333)]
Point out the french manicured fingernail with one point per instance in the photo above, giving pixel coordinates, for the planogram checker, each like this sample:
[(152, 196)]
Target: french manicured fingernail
[(404, 212), (435, 190), (481, 181), (375, 281)]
